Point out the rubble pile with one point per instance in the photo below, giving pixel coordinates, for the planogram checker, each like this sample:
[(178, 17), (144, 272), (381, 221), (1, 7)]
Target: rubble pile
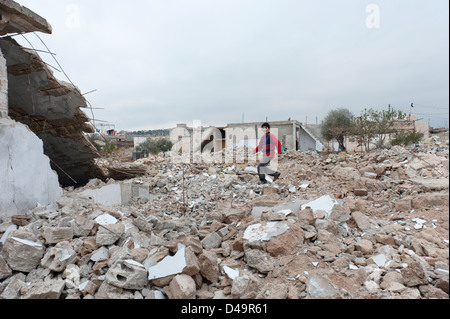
[(371, 225)]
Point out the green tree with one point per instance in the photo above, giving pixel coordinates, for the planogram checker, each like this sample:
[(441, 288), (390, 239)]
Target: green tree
[(373, 126), (406, 138), (336, 125), (154, 146)]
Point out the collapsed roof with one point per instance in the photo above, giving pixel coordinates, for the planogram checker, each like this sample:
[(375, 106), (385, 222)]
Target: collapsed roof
[(49, 107)]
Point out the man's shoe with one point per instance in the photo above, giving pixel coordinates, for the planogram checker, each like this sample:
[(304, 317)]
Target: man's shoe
[(276, 176), (263, 182)]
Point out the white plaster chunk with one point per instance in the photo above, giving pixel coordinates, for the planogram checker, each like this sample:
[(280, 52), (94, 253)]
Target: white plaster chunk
[(108, 195), (380, 260), (325, 203), (170, 265), (106, 219), (259, 231), (230, 272)]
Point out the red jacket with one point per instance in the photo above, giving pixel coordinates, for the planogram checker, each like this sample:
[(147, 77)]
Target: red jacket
[(267, 143)]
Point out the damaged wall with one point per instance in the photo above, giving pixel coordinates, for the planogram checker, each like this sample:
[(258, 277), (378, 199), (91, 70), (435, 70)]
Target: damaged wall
[(27, 179), (49, 107), (42, 128)]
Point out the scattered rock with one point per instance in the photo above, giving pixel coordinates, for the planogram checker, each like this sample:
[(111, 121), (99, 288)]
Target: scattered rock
[(370, 225)]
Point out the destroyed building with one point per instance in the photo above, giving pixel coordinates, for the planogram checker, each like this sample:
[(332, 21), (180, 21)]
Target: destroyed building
[(369, 225), (33, 100)]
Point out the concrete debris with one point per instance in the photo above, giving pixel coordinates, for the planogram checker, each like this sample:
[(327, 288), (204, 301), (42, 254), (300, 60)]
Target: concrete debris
[(326, 229)]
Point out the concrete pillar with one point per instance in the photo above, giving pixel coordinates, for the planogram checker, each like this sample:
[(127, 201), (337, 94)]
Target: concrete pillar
[(3, 87), (294, 137)]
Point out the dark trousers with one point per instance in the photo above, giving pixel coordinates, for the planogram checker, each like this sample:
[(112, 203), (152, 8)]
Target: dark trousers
[(263, 168)]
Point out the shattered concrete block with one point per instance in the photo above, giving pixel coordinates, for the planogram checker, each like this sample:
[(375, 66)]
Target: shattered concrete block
[(54, 235), (239, 286), (81, 226), (320, 288), (182, 287), (56, 259), (194, 243), (286, 243), (127, 274), (107, 291), (108, 235), (361, 220), (209, 266), (22, 253), (259, 260), (12, 290), (245, 286), (72, 276), (101, 253), (306, 215), (371, 286), (365, 246), (5, 271), (212, 240), (145, 223), (50, 289), (88, 288), (192, 267), (414, 275), (154, 294)]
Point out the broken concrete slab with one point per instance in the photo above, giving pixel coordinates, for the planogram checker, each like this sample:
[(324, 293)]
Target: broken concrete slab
[(110, 195), (56, 259), (19, 19), (22, 251), (50, 289), (181, 287), (170, 265), (320, 288), (127, 274), (54, 235), (265, 231)]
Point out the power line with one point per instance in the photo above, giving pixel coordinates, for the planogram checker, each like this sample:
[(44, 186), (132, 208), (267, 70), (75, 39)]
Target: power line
[(430, 107)]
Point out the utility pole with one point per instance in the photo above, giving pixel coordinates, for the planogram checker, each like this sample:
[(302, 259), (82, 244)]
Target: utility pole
[(410, 108)]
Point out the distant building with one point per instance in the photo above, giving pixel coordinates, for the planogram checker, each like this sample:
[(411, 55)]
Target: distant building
[(292, 134)]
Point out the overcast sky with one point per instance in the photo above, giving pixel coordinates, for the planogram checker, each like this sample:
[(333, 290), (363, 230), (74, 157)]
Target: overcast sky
[(157, 63)]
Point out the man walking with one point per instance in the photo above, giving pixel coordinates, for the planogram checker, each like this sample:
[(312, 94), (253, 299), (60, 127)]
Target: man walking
[(267, 145)]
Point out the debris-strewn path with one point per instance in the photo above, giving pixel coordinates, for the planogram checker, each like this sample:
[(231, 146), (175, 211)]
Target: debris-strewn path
[(372, 225)]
